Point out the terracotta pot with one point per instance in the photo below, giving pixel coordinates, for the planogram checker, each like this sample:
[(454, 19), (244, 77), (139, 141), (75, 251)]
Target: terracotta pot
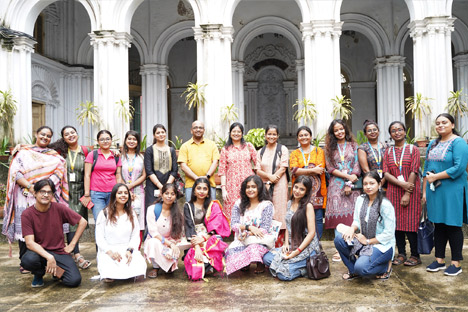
[(422, 143)]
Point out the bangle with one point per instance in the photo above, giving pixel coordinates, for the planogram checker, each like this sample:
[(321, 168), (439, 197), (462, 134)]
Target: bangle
[(368, 241), (163, 240), (29, 186), (204, 237), (86, 195), (130, 249), (299, 249)]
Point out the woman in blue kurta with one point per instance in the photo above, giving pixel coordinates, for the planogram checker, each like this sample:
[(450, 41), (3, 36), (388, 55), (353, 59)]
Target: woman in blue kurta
[(446, 162)]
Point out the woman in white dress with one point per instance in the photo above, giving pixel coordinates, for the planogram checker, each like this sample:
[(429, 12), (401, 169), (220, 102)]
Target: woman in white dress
[(118, 237)]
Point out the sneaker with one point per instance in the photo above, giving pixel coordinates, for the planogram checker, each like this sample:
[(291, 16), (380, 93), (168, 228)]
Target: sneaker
[(452, 270), (37, 281), (435, 266)]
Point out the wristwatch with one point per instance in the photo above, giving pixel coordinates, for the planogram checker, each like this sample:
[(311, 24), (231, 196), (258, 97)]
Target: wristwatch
[(208, 176), (368, 241)]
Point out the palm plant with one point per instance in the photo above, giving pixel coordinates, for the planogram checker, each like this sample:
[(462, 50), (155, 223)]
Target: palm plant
[(125, 111), (419, 107), (306, 110), (177, 143), (7, 112), (455, 103), (194, 95), (342, 107), (88, 112), (361, 137), (229, 114)]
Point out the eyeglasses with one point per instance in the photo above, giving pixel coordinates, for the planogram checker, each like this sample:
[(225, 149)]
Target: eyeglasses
[(372, 130), (105, 140), (45, 193), (398, 130), (198, 127)]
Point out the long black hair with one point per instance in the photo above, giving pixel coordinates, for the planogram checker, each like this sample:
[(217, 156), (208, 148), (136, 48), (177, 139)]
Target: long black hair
[(125, 147), (262, 193), (112, 208), (368, 123), (299, 219), (176, 217), (60, 145), (241, 127), (454, 131), (193, 198), (332, 142), (373, 174), (395, 123)]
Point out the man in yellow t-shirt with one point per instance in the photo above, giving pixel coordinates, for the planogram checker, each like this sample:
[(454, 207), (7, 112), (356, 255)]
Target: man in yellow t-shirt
[(198, 157)]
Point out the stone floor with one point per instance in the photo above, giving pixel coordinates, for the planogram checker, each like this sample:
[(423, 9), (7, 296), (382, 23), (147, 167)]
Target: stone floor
[(408, 289)]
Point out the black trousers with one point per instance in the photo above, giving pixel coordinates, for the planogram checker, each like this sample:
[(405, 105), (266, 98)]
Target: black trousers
[(36, 264), (401, 242), (452, 234), (70, 236)]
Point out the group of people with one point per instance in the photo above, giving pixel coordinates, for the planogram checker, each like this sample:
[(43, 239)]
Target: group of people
[(370, 194)]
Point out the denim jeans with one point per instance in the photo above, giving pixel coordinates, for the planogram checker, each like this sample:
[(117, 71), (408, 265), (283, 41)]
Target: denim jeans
[(319, 222), (188, 193), (100, 201), (295, 269), (375, 264)]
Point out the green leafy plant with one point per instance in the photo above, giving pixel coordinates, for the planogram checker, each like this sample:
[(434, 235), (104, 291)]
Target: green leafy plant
[(361, 137), (125, 111), (306, 110), (8, 110), (342, 107), (256, 136), (89, 113), (4, 146), (318, 139), (3, 193), (177, 143), (419, 106), (220, 142), (30, 139), (143, 144), (464, 133), (408, 139), (455, 104), (194, 95), (229, 114)]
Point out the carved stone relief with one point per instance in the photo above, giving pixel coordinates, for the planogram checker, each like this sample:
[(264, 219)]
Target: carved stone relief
[(271, 98)]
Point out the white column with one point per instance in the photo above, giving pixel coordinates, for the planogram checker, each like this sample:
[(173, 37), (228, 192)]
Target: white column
[(363, 95), (322, 67), (111, 77), (461, 67), (214, 70), (238, 88), (390, 92), (300, 79), (252, 89), (432, 64), (290, 99), (15, 64)]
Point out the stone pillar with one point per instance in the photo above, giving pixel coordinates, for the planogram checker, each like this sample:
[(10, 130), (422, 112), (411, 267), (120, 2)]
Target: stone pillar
[(461, 67), (111, 77), (15, 64), (322, 68), (363, 95), (390, 92), (290, 92), (214, 70), (238, 69), (154, 97), (300, 79), (432, 65), (252, 89)]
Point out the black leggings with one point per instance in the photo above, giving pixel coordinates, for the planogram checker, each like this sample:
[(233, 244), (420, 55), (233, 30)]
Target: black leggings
[(401, 242), (452, 234)]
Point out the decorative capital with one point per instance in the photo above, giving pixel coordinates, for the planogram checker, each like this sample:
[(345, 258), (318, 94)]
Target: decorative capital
[(105, 37), (461, 60), (324, 28), (431, 26), (390, 61), (16, 40), (299, 65)]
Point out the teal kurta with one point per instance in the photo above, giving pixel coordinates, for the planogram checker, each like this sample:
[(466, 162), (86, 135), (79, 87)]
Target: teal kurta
[(76, 189), (445, 204)]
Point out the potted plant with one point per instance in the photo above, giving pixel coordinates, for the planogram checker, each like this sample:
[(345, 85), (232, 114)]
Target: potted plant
[(419, 107), (194, 95), (361, 137), (89, 113), (125, 111), (306, 110), (342, 107), (256, 136), (456, 106), (177, 144), (8, 110), (3, 193), (229, 114)]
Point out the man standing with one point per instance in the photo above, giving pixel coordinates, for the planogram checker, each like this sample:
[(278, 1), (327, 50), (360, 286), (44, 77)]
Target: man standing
[(42, 226), (198, 157)]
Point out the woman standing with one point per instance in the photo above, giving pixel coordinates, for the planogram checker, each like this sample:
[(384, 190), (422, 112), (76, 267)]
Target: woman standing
[(160, 165), (165, 224), (310, 161), (133, 174), (30, 165), (252, 215), (205, 227), (371, 153), (401, 167), (445, 189), (235, 164), (272, 165), (118, 237), (344, 170), (102, 171), (75, 156), (374, 218), (301, 241)]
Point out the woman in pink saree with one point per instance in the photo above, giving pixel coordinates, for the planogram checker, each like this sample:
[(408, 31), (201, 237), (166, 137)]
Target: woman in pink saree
[(205, 227)]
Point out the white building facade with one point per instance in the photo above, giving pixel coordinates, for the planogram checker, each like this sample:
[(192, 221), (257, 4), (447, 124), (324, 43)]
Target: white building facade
[(260, 55)]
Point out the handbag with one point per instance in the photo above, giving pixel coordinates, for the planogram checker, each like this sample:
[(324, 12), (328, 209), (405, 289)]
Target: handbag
[(318, 266), (425, 234), (180, 186), (268, 240)]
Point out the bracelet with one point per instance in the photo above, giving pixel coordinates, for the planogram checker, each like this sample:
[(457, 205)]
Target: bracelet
[(205, 238), (29, 186), (247, 227), (163, 240), (349, 183), (299, 249), (130, 249), (86, 195), (368, 241)]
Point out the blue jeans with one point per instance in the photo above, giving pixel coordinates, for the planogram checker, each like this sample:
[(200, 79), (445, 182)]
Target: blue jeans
[(188, 193), (295, 269), (319, 222), (376, 264), (100, 201)]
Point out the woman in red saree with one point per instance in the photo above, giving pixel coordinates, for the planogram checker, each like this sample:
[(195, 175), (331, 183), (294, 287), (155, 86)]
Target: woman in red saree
[(205, 227)]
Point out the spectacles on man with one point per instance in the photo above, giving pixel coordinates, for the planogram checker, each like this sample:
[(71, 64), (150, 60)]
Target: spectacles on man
[(45, 193)]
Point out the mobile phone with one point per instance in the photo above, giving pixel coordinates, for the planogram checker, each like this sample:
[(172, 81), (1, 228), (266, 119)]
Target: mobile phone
[(59, 272), (436, 183)]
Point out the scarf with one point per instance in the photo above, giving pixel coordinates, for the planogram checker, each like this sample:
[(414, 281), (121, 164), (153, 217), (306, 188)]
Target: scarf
[(368, 228)]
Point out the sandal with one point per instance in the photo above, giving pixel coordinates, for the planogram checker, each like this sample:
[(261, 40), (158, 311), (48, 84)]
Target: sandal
[(413, 261), (108, 280), (385, 276), (82, 263), (260, 268), (336, 257), (400, 259), (348, 276), (153, 273)]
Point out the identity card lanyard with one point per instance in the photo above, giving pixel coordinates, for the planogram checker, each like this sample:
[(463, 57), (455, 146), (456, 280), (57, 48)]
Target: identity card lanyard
[(342, 154), (306, 164), (377, 160), (400, 165), (72, 166), (130, 168)]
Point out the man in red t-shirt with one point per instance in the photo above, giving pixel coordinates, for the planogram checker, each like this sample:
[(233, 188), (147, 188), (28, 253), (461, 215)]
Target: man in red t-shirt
[(42, 226)]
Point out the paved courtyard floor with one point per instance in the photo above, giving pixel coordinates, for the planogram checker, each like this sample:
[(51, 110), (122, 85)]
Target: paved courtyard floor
[(408, 289)]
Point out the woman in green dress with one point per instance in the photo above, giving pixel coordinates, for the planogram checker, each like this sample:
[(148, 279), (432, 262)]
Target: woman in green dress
[(75, 155)]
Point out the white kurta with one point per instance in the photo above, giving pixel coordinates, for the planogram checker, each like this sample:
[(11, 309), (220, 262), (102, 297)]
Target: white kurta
[(117, 238)]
